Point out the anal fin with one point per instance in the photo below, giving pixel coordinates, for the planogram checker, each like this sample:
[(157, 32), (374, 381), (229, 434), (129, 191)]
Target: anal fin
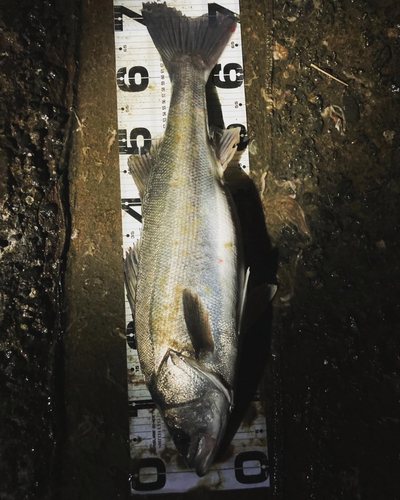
[(227, 144)]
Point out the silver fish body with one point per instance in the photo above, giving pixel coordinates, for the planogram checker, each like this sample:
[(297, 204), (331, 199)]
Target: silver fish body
[(187, 294)]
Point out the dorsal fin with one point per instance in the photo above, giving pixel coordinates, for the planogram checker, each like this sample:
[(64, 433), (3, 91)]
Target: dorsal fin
[(197, 320), (131, 268), (140, 167)]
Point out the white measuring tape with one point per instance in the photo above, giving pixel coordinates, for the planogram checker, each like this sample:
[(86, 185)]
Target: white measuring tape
[(143, 95)]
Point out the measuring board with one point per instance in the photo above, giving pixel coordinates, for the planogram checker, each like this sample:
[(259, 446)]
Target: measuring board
[(143, 95)]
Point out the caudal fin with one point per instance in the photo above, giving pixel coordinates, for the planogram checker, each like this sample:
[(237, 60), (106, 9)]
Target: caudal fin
[(179, 39)]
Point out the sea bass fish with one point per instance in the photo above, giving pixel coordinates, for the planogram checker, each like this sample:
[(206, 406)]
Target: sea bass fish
[(186, 281)]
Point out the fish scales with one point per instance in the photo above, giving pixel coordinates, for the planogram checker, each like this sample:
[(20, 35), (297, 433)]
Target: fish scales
[(188, 229), (186, 300)]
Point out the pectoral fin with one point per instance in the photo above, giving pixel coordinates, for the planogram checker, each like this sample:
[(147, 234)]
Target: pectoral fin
[(197, 320), (262, 294), (243, 298)]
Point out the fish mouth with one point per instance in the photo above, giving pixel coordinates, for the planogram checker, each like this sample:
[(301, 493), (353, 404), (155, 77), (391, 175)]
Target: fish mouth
[(202, 454), (206, 450)]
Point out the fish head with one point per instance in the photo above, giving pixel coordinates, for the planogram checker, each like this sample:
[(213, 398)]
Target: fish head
[(197, 428), (196, 411)]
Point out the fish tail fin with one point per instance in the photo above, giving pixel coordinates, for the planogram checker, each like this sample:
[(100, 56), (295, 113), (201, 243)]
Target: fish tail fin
[(179, 39)]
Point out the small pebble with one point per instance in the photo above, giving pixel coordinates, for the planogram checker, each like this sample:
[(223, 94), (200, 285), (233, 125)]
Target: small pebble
[(381, 245), (389, 136), (393, 33)]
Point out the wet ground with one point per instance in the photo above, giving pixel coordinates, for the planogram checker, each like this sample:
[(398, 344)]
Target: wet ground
[(36, 90), (325, 160), (331, 199)]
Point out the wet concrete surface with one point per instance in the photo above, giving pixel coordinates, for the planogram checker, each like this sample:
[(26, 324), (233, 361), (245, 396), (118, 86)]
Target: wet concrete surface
[(331, 204), (324, 158), (95, 461)]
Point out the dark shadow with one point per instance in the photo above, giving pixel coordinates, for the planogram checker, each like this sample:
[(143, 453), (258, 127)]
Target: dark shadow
[(256, 333), (255, 342)]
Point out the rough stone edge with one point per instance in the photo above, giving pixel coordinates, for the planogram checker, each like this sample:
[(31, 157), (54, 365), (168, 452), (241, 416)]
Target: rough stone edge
[(95, 456)]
